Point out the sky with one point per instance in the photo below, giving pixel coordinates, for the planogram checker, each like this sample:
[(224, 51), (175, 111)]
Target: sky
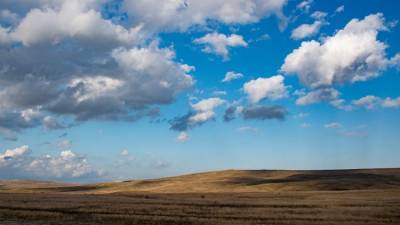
[(131, 89)]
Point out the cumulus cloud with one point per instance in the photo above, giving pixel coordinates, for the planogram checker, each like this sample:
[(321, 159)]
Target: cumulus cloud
[(352, 54), (231, 75), (147, 76), (391, 102), (72, 19), (372, 101), (201, 112), (264, 113), (306, 30), (20, 163), (369, 101), (319, 95), (309, 30), (181, 15), (319, 15), (271, 88), (134, 83), (220, 44), (305, 5), (64, 58), (12, 122), (204, 110)]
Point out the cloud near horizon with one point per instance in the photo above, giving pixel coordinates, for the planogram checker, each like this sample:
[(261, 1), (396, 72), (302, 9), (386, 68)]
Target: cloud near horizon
[(20, 163)]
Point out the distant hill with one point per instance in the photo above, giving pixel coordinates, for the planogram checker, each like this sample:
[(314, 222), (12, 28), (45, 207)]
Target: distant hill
[(230, 181)]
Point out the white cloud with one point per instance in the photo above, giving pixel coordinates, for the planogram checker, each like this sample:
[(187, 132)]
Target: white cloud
[(73, 19), (231, 75), (201, 112), (19, 163), (319, 15), (11, 153), (94, 87), (305, 125), (369, 101), (319, 95), (306, 30), (69, 60), (352, 54), (272, 88), (182, 137), (207, 104), (391, 102), (333, 125), (170, 15), (146, 76), (204, 110), (305, 5), (220, 44)]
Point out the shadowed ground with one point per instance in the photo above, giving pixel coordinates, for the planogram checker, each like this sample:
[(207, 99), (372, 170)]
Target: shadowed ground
[(226, 197)]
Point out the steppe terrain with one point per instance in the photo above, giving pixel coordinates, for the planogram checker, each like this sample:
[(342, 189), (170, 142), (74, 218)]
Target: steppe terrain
[(367, 197)]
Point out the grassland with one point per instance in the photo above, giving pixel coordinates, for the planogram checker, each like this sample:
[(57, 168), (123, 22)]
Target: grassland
[(350, 197)]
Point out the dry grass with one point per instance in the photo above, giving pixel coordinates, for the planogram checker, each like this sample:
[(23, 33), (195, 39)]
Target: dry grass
[(367, 197)]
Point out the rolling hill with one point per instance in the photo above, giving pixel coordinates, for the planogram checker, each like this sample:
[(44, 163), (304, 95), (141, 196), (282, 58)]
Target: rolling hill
[(229, 181)]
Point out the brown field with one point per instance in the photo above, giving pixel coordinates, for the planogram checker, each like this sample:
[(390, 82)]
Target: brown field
[(367, 197)]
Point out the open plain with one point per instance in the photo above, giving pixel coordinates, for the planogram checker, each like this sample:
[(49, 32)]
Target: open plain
[(367, 197)]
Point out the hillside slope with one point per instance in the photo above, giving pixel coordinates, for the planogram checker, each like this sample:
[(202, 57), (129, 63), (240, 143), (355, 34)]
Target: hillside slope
[(231, 181), (263, 181)]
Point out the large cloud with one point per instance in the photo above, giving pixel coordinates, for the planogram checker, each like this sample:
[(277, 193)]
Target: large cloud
[(145, 76), (65, 58), (19, 163), (352, 54), (71, 19), (182, 14)]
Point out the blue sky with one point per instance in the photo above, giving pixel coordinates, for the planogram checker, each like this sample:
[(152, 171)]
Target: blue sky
[(110, 90)]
